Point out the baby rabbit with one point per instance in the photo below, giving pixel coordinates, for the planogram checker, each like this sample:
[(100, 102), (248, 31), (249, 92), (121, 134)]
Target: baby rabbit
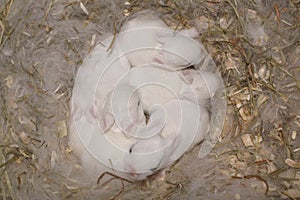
[(178, 50), (156, 85), (148, 156), (202, 85), (142, 30), (96, 77), (186, 125), (99, 151), (155, 43)]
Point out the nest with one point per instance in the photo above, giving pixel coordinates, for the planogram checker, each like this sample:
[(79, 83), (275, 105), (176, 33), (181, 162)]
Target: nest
[(255, 45)]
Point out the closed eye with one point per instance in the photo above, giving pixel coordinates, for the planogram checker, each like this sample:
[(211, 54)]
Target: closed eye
[(130, 150), (153, 169)]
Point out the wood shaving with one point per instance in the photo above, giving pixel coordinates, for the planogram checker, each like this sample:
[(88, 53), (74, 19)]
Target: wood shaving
[(24, 137), (247, 140), (292, 163), (62, 129)]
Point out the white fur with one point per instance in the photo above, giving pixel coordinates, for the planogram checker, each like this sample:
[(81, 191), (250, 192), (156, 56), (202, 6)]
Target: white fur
[(178, 50), (125, 107), (202, 85), (98, 75), (100, 152), (148, 156), (147, 39), (186, 124), (105, 152), (156, 85), (138, 38), (103, 103)]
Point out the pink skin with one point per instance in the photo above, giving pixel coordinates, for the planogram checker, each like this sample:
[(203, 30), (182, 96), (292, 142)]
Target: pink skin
[(187, 76), (104, 119), (132, 172)]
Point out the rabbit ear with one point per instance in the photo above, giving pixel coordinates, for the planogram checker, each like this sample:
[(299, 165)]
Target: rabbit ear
[(187, 76), (106, 120), (130, 130), (158, 60)]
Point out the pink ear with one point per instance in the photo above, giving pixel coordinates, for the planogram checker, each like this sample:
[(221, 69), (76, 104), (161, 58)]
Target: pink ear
[(192, 32), (187, 76), (106, 120), (129, 131), (94, 111), (156, 60)]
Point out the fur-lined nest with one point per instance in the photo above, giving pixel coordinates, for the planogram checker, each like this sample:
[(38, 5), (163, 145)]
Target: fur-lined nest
[(255, 45)]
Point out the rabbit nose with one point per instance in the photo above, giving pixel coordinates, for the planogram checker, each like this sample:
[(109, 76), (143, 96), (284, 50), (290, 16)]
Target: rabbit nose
[(157, 60), (132, 172), (133, 175)]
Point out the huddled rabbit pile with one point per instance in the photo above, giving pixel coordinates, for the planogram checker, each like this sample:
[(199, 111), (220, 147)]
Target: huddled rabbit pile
[(139, 106)]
